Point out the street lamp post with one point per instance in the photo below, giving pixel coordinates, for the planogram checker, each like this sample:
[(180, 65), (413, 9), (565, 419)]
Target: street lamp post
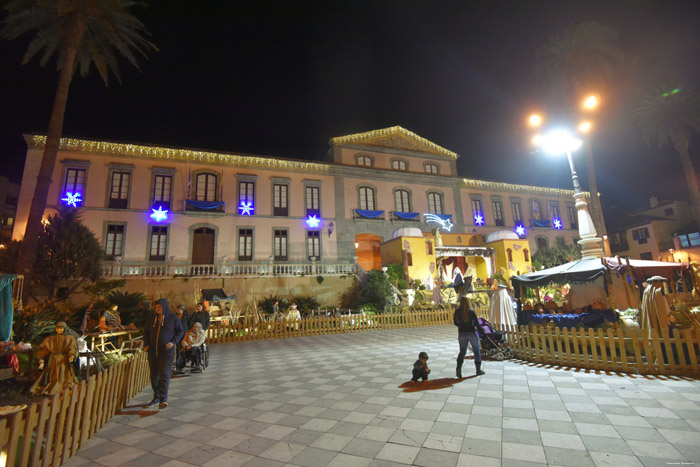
[(559, 142)]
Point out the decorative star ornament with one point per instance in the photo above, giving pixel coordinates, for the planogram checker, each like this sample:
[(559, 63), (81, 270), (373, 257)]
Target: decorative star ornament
[(520, 230), (478, 219), (72, 199), (159, 214), (446, 224), (557, 224), (246, 209), (313, 222)]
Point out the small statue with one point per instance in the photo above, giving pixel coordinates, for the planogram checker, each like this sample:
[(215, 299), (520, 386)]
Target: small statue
[(58, 374)]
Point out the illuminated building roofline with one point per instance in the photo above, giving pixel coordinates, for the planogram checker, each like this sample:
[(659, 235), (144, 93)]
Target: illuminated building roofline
[(173, 154), (374, 137), (500, 186)]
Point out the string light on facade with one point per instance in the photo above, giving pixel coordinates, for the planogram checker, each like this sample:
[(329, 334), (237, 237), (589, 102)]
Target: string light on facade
[(246, 208), (557, 223), (72, 199), (478, 219), (520, 230), (446, 224), (160, 214)]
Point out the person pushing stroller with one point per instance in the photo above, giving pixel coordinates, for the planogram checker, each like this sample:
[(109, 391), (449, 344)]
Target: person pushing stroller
[(467, 322)]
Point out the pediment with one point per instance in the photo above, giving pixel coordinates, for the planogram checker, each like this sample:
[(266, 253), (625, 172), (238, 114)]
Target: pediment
[(395, 137)]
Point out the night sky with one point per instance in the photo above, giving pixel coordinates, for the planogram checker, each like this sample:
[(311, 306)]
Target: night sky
[(282, 78)]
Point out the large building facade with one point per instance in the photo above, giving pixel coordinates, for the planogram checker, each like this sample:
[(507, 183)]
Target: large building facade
[(168, 212)]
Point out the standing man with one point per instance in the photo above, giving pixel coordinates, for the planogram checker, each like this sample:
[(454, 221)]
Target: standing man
[(201, 316), (161, 335), (184, 321)]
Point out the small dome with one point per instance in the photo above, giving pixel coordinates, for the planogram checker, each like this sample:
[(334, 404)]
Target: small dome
[(502, 235), (407, 232)]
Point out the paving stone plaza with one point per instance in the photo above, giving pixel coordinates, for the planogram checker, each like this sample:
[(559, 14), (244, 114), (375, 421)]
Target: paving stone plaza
[(346, 400)]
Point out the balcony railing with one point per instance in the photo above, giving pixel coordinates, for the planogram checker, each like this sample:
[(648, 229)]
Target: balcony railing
[(239, 269)]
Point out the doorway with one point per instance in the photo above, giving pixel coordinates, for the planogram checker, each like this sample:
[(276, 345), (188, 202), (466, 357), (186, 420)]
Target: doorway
[(203, 246)]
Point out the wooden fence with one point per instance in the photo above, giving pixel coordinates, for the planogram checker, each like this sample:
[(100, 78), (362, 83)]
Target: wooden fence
[(47, 434), (316, 325), (608, 350)]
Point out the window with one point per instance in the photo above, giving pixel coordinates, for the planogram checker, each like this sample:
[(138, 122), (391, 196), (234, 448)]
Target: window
[(692, 239), (409, 259), (429, 248), (526, 254), (280, 194), (554, 210), (536, 210), (246, 195), (668, 212), (498, 212), (364, 161), (573, 218), (280, 245), (245, 244), (398, 164), (510, 255), (517, 212), (9, 221), (119, 191), (114, 241), (367, 199), (206, 187), (641, 235), (541, 243), (435, 203), (646, 256), (75, 181), (159, 241), (313, 244), (431, 169), (401, 201), (312, 201), (478, 212), (162, 189)]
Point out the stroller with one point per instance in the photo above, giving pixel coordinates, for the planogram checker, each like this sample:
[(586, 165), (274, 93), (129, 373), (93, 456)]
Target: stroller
[(493, 343)]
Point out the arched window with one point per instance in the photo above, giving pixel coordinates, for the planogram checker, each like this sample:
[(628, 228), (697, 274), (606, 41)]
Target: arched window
[(398, 164), (435, 203), (364, 161), (526, 254), (367, 198), (541, 242), (402, 201), (206, 187), (432, 169), (510, 255), (459, 239)]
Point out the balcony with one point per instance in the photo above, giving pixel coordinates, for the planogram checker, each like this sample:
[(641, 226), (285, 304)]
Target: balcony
[(228, 269), (193, 205)]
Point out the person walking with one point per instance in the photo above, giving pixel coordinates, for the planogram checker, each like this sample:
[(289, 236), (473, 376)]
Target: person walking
[(161, 335), (467, 322)]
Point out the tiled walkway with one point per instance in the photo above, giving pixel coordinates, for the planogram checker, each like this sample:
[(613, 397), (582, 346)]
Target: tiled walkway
[(342, 400)]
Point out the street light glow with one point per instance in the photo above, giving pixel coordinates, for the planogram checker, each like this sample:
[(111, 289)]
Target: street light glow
[(537, 140), (585, 127), (558, 142), (591, 102), (535, 120)]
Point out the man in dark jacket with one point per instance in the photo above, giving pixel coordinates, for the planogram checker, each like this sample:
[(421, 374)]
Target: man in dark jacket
[(200, 316), (184, 320), (161, 336)]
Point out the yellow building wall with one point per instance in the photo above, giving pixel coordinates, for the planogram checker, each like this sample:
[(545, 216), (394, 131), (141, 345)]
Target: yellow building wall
[(519, 265), (397, 249)]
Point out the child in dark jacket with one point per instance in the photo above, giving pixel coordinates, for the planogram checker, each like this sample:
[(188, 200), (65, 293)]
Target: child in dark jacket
[(420, 368)]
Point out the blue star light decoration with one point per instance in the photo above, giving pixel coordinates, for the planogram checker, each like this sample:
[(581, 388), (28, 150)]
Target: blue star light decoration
[(478, 219), (557, 224), (313, 222), (446, 224), (246, 209), (72, 199), (520, 230), (159, 214)]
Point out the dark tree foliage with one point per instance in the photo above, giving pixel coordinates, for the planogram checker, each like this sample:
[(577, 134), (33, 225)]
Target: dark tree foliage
[(374, 288), (560, 253), (68, 256)]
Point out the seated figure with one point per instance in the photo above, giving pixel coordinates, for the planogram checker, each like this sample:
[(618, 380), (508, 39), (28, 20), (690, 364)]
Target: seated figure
[(191, 348)]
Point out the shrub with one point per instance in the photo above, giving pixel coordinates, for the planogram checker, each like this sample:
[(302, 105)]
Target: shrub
[(306, 303), (396, 276), (319, 279), (374, 289), (129, 306), (265, 304)]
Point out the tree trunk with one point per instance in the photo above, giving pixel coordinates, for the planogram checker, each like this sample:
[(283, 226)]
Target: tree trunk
[(595, 208), (28, 250), (680, 144)]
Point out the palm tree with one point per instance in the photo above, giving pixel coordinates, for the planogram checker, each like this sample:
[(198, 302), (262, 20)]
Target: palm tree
[(580, 61), (669, 116), (79, 33)]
